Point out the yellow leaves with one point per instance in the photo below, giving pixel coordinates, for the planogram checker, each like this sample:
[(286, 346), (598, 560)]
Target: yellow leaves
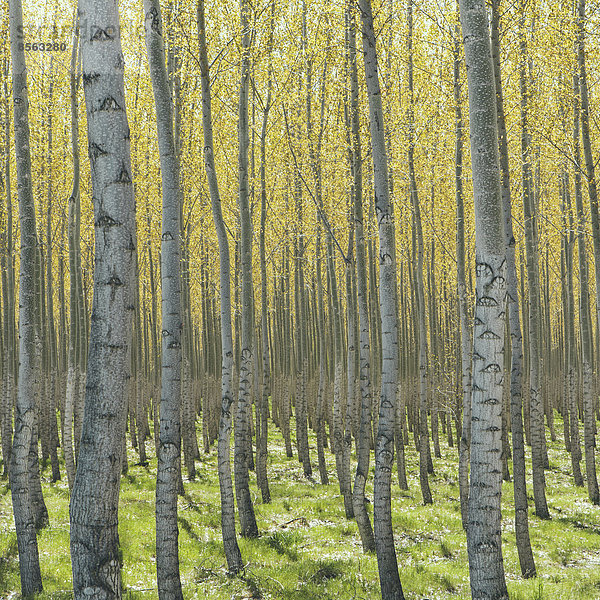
[(549, 32)]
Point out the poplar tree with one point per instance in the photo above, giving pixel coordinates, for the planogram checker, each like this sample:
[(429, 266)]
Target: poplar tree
[(589, 435), (169, 446), (391, 588), (512, 300), (94, 502), (484, 536), (232, 550), (244, 407), (25, 410)]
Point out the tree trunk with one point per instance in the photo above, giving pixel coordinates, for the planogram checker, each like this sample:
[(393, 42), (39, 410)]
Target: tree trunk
[(484, 536), (424, 449), (320, 413), (391, 589), (9, 370), (589, 438), (364, 439), (232, 551), (94, 503), (51, 348), (73, 374), (516, 350), (263, 407), (169, 446), (24, 428), (583, 296), (536, 406), (244, 406), (465, 332)]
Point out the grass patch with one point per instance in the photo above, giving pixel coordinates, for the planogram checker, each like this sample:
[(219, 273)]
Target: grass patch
[(307, 550)]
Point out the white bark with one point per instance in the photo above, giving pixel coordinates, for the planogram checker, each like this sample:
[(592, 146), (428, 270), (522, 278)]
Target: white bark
[(169, 447), (484, 540), (391, 589), (94, 503), (19, 475), (232, 551)]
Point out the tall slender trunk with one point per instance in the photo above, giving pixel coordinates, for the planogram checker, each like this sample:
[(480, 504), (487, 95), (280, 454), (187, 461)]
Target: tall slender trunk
[(338, 418), (36, 497), (584, 315), (73, 373), (391, 588), (484, 536), (320, 411), (536, 406), (51, 347), (94, 502), (9, 370), (465, 332), (232, 550), (424, 450), (516, 349), (263, 400), (363, 443), (589, 437), (169, 434), (314, 149), (244, 406), (24, 428)]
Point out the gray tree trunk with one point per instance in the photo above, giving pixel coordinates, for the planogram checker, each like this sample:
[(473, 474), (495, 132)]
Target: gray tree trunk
[(232, 551), (244, 405), (516, 350), (391, 588), (532, 255), (424, 449), (263, 408), (589, 437), (583, 294), (320, 410), (94, 502), (465, 331), (364, 439), (9, 370), (169, 446), (24, 427), (51, 348), (351, 342), (73, 373), (484, 536)]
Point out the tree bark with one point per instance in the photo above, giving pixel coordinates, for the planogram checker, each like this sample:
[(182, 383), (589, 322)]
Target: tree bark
[(169, 446), (533, 280), (465, 332), (589, 437), (244, 406), (51, 347), (584, 315), (94, 503), (364, 439), (73, 373), (391, 588), (232, 551), (24, 427), (9, 370), (516, 350), (263, 408), (484, 537)]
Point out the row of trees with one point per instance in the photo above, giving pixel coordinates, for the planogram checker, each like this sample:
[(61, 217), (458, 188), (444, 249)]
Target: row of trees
[(363, 324)]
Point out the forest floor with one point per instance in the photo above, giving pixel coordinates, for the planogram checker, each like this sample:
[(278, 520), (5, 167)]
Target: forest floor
[(307, 550)]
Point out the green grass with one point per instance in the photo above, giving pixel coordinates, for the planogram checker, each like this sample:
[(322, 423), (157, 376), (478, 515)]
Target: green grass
[(307, 550)]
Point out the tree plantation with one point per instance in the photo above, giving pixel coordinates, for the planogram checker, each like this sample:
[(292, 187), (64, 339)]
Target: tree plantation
[(299, 300)]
